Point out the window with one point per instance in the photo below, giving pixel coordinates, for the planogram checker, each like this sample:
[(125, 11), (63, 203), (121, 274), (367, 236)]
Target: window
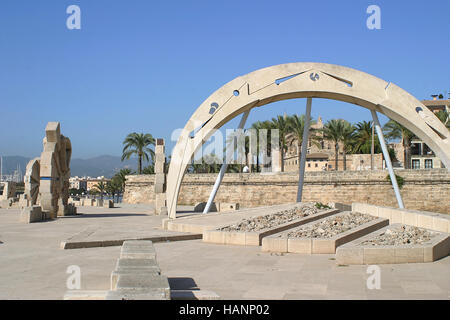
[(415, 164), (428, 163), (309, 165), (317, 165)]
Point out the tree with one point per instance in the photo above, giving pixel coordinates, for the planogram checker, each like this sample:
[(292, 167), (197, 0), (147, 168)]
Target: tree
[(209, 164), (139, 144), (347, 139), (281, 124), (150, 169), (332, 130), (394, 130), (100, 188), (296, 126), (120, 176), (114, 187), (258, 126), (363, 138), (444, 117)]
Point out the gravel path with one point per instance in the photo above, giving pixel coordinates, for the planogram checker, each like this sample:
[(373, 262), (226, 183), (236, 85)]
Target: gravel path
[(331, 226), (400, 236), (274, 219)]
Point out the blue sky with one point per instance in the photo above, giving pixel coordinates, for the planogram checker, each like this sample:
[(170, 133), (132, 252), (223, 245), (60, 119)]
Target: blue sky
[(145, 66)]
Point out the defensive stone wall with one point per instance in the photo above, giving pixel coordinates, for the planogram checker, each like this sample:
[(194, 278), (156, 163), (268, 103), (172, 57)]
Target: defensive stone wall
[(422, 189)]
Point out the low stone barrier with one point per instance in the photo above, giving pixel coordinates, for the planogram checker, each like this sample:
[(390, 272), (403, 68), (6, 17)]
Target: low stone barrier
[(255, 238), (108, 204), (31, 214), (422, 219), (357, 253), (137, 275), (283, 243)]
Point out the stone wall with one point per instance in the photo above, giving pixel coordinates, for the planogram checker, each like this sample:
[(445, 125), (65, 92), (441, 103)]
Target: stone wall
[(422, 190)]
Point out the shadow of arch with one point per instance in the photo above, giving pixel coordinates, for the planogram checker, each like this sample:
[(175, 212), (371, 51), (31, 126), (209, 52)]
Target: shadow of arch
[(302, 80)]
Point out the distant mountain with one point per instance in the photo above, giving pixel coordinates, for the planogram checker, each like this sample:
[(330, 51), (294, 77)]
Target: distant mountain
[(100, 166), (105, 165)]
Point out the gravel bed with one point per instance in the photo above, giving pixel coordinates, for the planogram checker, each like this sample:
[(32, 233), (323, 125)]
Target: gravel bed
[(274, 219), (331, 226), (400, 236)]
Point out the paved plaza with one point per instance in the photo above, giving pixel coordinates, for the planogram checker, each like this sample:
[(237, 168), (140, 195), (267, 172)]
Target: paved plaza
[(33, 265)]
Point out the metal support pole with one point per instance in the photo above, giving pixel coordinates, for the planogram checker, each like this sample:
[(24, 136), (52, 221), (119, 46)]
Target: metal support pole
[(223, 168), (387, 158), (301, 170)]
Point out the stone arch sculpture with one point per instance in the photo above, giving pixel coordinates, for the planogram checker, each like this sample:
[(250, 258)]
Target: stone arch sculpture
[(302, 80)]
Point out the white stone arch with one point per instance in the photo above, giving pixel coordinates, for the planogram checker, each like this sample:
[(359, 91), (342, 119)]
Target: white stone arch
[(302, 80)]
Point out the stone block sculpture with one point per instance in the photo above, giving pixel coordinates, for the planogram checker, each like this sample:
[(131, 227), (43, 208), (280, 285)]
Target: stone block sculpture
[(8, 197), (9, 190), (47, 178), (160, 178)]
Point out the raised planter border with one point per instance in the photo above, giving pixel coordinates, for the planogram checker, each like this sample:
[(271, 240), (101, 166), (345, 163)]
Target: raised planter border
[(282, 243), (355, 253), (422, 219), (255, 238)]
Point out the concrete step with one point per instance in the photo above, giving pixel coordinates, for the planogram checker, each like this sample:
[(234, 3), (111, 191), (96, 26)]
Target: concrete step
[(193, 295), (137, 294), (85, 295)]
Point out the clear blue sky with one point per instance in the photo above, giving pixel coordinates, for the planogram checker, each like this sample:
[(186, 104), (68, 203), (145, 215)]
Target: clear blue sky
[(145, 66)]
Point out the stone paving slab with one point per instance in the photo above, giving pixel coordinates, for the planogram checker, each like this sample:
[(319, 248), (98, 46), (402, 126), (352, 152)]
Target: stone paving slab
[(255, 238), (356, 253), (282, 243)]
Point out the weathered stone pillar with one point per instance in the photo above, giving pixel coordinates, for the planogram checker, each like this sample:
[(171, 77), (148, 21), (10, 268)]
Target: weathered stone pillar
[(160, 178)]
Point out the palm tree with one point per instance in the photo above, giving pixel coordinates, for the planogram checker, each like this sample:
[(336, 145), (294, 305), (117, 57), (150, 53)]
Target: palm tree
[(263, 125), (121, 177), (281, 123), (113, 187), (100, 188), (138, 143), (394, 130), (444, 116), (296, 126), (363, 139), (150, 169), (332, 130), (347, 139)]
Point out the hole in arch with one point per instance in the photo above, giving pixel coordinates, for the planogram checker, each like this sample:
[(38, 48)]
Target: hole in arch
[(236, 92), (213, 108)]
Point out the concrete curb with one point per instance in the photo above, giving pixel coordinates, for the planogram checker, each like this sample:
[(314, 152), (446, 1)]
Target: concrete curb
[(119, 242)]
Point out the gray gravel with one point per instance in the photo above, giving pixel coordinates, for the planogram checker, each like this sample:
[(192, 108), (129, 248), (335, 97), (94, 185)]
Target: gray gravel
[(331, 226), (274, 219), (402, 235)]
